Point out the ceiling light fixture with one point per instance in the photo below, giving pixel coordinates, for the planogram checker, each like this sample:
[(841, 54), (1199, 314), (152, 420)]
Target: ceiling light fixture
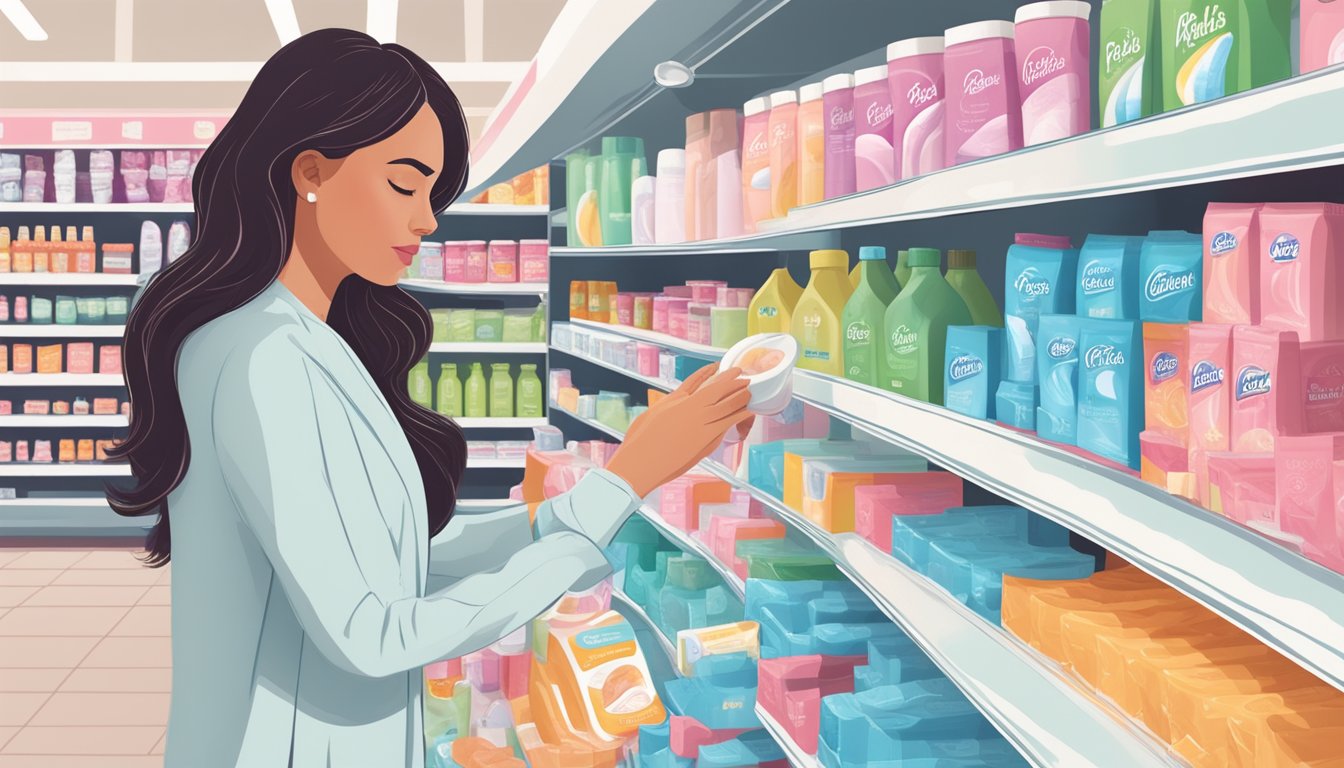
[(381, 20), (283, 18), (22, 19)]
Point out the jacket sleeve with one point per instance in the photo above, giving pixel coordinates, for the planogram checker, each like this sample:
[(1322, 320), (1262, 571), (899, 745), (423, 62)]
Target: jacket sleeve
[(597, 508), (294, 469)]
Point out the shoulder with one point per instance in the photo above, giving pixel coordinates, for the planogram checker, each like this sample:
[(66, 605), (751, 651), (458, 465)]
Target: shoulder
[(265, 339)]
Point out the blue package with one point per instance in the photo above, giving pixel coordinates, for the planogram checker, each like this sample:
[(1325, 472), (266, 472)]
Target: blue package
[(889, 725), (1015, 404), (716, 706), (1110, 389), (1057, 364), (750, 749), (684, 365), (1171, 266), (1108, 277), (1037, 281), (894, 659), (973, 359)]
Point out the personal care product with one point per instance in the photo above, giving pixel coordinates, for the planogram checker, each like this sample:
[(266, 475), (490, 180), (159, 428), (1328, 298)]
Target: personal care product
[(1039, 280), (1232, 264), (669, 197), (1108, 277), (718, 199), (1172, 275), (966, 281), (864, 316), (502, 259), (815, 321), (1209, 404), (874, 161), (1057, 364), (529, 393), (1321, 34), (974, 360), (1053, 42), (1016, 404), (983, 116), (783, 148), (642, 211), (1110, 382), (1309, 482), (1200, 45), (449, 399), (422, 392), (1300, 246), (915, 78), (838, 105), (619, 155), (1266, 390), (476, 395), (477, 266), (916, 326), (811, 145), (755, 162), (1128, 57)]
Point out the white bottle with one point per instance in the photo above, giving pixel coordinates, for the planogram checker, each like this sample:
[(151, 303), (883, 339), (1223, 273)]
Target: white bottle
[(642, 211), (669, 198), (179, 239), (151, 248)]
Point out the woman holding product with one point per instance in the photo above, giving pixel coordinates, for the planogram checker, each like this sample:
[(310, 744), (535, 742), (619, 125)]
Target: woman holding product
[(268, 370)]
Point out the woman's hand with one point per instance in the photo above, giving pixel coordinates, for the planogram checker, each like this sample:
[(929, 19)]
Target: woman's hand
[(682, 429)]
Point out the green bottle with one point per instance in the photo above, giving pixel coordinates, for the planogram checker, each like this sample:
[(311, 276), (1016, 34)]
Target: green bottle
[(903, 268), (963, 278), (422, 392), (529, 393), (864, 315), (916, 330), (475, 397), (501, 392), (449, 400)]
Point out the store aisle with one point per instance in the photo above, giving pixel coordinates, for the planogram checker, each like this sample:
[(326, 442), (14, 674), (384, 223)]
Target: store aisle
[(85, 659)]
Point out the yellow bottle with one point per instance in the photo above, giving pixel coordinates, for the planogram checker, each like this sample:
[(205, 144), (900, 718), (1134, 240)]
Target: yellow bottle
[(772, 307), (816, 319)]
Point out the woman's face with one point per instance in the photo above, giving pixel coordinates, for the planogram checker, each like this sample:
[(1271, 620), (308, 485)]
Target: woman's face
[(373, 206)]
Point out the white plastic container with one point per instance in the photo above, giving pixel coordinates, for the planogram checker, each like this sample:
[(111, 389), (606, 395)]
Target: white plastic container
[(771, 384), (669, 197), (642, 212)]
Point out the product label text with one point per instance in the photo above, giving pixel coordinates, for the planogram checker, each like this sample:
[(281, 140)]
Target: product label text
[(1204, 375), (1040, 64), (1097, 278), (1167, 281), (964, 367), (1191, 28), (1252, 381), (977, 82)]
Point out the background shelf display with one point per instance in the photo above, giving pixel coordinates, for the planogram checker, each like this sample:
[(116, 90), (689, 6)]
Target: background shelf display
[(31, 331), (64, 470), (693, 546), (499, 423), (66, 279), (472, 289), (516, 348), (20, 420), (629, 607), (61, 380)]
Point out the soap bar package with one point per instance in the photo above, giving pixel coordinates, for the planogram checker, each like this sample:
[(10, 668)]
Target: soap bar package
[(973, 369), (1110, 390), (1171, 267), (1108, 277), (1057, 361)]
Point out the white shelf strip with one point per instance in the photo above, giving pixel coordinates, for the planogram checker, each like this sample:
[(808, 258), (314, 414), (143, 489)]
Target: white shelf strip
[(649, 380), (64, 470), (664, 644), (62, 422), (797, 757), (43, 208), (503, 348), (518, 463), (496, 209), (61, 380), (499, 423), (474, 289), (66, 279), (28, 330)]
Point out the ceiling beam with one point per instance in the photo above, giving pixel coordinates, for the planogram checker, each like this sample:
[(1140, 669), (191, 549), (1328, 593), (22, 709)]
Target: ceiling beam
[(380, 21), (124, 28), (214, 71), (284, 19), (473, 29), (22, 19)]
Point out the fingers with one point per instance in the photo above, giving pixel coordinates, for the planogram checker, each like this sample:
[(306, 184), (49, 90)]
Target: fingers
[(730, 410), (725, 384), (693, 382)]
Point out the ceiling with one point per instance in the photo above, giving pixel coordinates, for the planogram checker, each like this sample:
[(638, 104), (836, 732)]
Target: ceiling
[(200, 54)]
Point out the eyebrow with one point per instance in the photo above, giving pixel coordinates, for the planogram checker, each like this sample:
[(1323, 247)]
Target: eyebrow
[(416, 164)]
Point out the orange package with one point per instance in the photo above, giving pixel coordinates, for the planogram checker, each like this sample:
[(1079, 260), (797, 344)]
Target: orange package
[(49, 358), (66, 452), (23, 358), (578, 300)]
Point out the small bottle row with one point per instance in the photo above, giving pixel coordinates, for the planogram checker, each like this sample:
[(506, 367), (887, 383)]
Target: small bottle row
[(495, 397), (476, 261), (65, 310), (68, 451)]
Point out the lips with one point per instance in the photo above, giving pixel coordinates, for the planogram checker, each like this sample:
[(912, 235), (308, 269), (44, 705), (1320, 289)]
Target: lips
[(406, 253)]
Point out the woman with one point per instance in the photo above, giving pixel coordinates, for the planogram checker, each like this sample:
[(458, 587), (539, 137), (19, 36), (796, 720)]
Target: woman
[(268, 367)]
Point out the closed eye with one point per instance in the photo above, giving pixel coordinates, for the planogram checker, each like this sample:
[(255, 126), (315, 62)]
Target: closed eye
[(406, 192)]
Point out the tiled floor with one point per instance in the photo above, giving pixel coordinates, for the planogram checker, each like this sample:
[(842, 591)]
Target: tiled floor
[(84, 659)]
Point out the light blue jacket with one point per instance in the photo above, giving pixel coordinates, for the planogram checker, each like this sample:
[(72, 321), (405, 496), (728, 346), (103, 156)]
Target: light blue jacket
[(307, 595)]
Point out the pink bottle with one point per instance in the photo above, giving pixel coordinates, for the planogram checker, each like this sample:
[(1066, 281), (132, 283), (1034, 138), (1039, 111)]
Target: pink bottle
[(477, 266), (915, 77), (1322, 33), (811, 144), (755, 163), (502, 258), (1054, 69), (983, 116), (1232, 263), (837, 102), (533, 261), (1210, 400), (1266, 393), (1300, 249), (874, 160), (783, 153), (720, 172)]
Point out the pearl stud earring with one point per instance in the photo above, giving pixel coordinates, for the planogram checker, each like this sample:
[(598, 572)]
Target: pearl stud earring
[(312, 197)]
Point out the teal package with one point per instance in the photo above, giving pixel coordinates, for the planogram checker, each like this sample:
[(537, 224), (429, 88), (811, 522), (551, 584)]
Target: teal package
[(1037, 281), (1057, 361), (1108, 277), (1110, 389), (1015, 405), (684, 365), (973, 369), (1171, 266)]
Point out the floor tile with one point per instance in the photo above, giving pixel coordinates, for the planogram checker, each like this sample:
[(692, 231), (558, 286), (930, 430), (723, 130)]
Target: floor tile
[(130, 653), (91, 740), (90, 597), (111, 558), (44, 652), (112, 709), (158, 748), (145, 621), (167, 577), (6, 732), (107, 577), (10, 555), (118, 681), (158, 595), (42, 621), (46, 558), (89, 761), (12, 596), (43, 680), (19, 577), (19, 708)]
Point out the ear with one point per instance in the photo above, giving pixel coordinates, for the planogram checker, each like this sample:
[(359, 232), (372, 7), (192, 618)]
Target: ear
[(307, 172)]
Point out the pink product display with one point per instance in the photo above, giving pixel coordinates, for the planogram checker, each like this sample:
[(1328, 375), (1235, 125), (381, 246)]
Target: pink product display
[(1322, 380), (158, 175), (705, 291), (646, 357), (678, 317), (477, 265), (1322, 34), (755, 163), (915, 77), (79, 357), (660, 313), (502, 261), (837, 103), (534, 261), (455, 262), (915, 493), (1309, 482), (6, 407), (21, 451), (109, 359), (1232, 263), (697, 323), (874, 161), (431, 260), (1266, 394), (1210, 400), (983, 118), (1245, 488), (1054, 67), (1300, 273), (42, 452), (726, 532), (791, 690), (1042, 241), (679, 292), (625, 308)]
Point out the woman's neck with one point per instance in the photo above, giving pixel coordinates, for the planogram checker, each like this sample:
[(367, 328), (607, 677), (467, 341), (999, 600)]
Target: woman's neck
[(310, 286)]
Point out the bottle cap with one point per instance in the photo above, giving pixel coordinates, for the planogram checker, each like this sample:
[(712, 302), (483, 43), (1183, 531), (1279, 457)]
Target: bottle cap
[(925, 257), (838, 82), (872, 253), (624, 145), (830, 259), (978, 30), (1054, 9), (755, 107), (915, 46), (780, 98), (809, 92), (671, 162), (960, 259), (870, 75)]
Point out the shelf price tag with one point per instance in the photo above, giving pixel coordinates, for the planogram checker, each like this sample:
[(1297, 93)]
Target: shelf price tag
[(133, 130), (71, 130), (204, 129)]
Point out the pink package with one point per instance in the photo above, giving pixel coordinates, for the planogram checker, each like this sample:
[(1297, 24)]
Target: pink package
[(915, 77), (837, 103), (21, 451), (874, 160), (677, 502), (915, 493), (79, 357), (790, 690), (755, 163), (454, 262), (688, 735), (982, 117), (1300, 273), (6, 451), (1266, 394), (109, 359), (725, 533), (705, 291), (515, 674), (1042, 241), (6, 407), (678, 317), (625, 309), (728, 198), (740, 506), (502, 261), (158, 176), (1232, 264), (1322, 386), (698, 323), (1309, 480), (1210, 401), (1242, 488), (477, 266), (679, 292), (660, 305), (646, 356), (561, 478), (1321, 34), (534, 261), (1054, 67), (1166, 457)]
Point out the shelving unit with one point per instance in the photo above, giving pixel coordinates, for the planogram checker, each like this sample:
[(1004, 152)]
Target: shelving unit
[(476, 289), (797, 757), (30, 331), (61, 422), (629, 607), (693, 546), (67, 279), (485, 347), (486, 422), (517, 463), (65, 470), (61, 380), (96, 208)]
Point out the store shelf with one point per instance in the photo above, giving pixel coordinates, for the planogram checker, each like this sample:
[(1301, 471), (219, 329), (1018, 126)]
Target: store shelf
[(79, 517), (521, 348), (481, 506), (518, 463), (797, 757), (693, 546), (67, 279), (63, 422), (45, 208), (629, 607), (649, 380), (30, 331), (475, 289), (660, 339), (61, 380), (65, 470), (1047, 716), (595, 424), (496, 209), (782, 238), (499, 423)]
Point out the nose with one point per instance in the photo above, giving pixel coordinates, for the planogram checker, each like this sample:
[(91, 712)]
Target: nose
[(423, 223)]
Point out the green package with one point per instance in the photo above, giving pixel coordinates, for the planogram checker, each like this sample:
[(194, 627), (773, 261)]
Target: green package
[(1125, 59), (501, 391), (462, 325), (39, 310), (518, 325), (489, 324), (66, 312), (1267, 57), (441, 318), (1200, 42), (118, 307)]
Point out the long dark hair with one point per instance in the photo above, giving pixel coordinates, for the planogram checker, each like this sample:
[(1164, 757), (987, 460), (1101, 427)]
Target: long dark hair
[(333, 91)]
